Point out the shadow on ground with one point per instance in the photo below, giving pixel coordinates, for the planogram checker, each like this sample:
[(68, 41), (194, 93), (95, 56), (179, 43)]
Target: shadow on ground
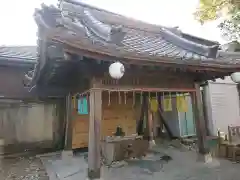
[(166, 163)]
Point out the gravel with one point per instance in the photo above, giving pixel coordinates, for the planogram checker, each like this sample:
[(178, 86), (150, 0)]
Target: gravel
[(22, 168)]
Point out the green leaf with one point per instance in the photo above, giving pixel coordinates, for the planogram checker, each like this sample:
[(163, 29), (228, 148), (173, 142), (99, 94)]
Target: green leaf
[(211, 10)]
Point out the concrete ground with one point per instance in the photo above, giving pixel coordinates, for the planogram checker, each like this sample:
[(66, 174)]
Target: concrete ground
[(183, 166), (22, 168)]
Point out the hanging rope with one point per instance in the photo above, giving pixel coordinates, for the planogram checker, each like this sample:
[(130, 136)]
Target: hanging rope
[(149, 96), (133, 98), (119, 97), (109, 98), (125, 97)]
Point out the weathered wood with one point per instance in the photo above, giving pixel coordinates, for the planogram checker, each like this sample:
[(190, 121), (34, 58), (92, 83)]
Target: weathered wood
[(80, 131), (77, 49), (199, 120), (150, 123), (68, 128), (118, 110), (140, 121), (114, 114), (147, 79), (233, 143), (146, 117), (94, 158), (162, 119), (144, 89)]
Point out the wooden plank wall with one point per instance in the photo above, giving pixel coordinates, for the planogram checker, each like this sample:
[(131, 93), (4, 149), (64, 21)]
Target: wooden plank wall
[(80, 131), (168, 80), (119, 111), (116, 112)]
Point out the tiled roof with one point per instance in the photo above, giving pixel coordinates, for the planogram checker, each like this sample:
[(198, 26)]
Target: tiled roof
[(88, 28), (233, 46), (20, 53)]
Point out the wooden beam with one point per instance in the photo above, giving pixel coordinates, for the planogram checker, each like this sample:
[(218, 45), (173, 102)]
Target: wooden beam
[(199, 120), (150, 125), (140, 129), (68, 128), (94, 158), (143, 89), (146, 132)]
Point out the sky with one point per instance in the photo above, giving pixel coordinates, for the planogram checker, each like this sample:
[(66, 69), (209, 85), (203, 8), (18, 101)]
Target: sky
[(18, 26)]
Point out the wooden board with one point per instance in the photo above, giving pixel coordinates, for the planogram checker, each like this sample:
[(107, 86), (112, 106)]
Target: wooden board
[(119, 111), (114, 114), (80, 131)]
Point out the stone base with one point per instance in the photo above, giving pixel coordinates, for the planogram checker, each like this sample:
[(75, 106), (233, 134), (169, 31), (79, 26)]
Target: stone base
[(152, 143), (206, 158), (67, 154), (94, 174)]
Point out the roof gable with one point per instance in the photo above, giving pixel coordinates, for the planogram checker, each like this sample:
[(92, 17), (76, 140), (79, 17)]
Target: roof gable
[(95, 30)]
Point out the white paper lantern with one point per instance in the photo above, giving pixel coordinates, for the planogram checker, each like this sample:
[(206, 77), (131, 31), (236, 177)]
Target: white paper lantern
[(235, 77), (116, 70)]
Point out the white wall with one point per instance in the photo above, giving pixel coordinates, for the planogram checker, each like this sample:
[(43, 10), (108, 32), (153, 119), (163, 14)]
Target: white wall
[(222, 105), (28, 123)]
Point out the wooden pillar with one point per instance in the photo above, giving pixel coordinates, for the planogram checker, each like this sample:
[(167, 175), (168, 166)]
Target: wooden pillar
[(200, 120), (150, 126), (68, 128), (146, 117), (94, 155), (150, 123)]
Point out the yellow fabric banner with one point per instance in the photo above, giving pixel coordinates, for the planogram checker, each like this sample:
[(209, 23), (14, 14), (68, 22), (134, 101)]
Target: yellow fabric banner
[(181, 103), (153, 104), (167, 104)]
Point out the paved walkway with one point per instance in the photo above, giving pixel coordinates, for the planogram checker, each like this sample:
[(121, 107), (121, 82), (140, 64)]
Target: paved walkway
[(183, 166)]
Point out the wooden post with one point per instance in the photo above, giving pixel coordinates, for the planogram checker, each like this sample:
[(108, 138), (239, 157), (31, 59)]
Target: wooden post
[(150, 126), (200, 120), (68, 135), (68, 127), (150, 123), (94, 146), (146, 117)]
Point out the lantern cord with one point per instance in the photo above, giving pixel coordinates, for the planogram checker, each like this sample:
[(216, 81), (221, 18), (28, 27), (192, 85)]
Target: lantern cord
[(82, 94), (109, 98), (119, 97), (74, 102), (163, 96), (125, 97), (133, 98), (170, 97)]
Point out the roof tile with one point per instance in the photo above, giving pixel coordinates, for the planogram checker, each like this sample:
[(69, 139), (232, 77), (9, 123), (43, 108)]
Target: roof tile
[(19, 52), (92, 27)]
